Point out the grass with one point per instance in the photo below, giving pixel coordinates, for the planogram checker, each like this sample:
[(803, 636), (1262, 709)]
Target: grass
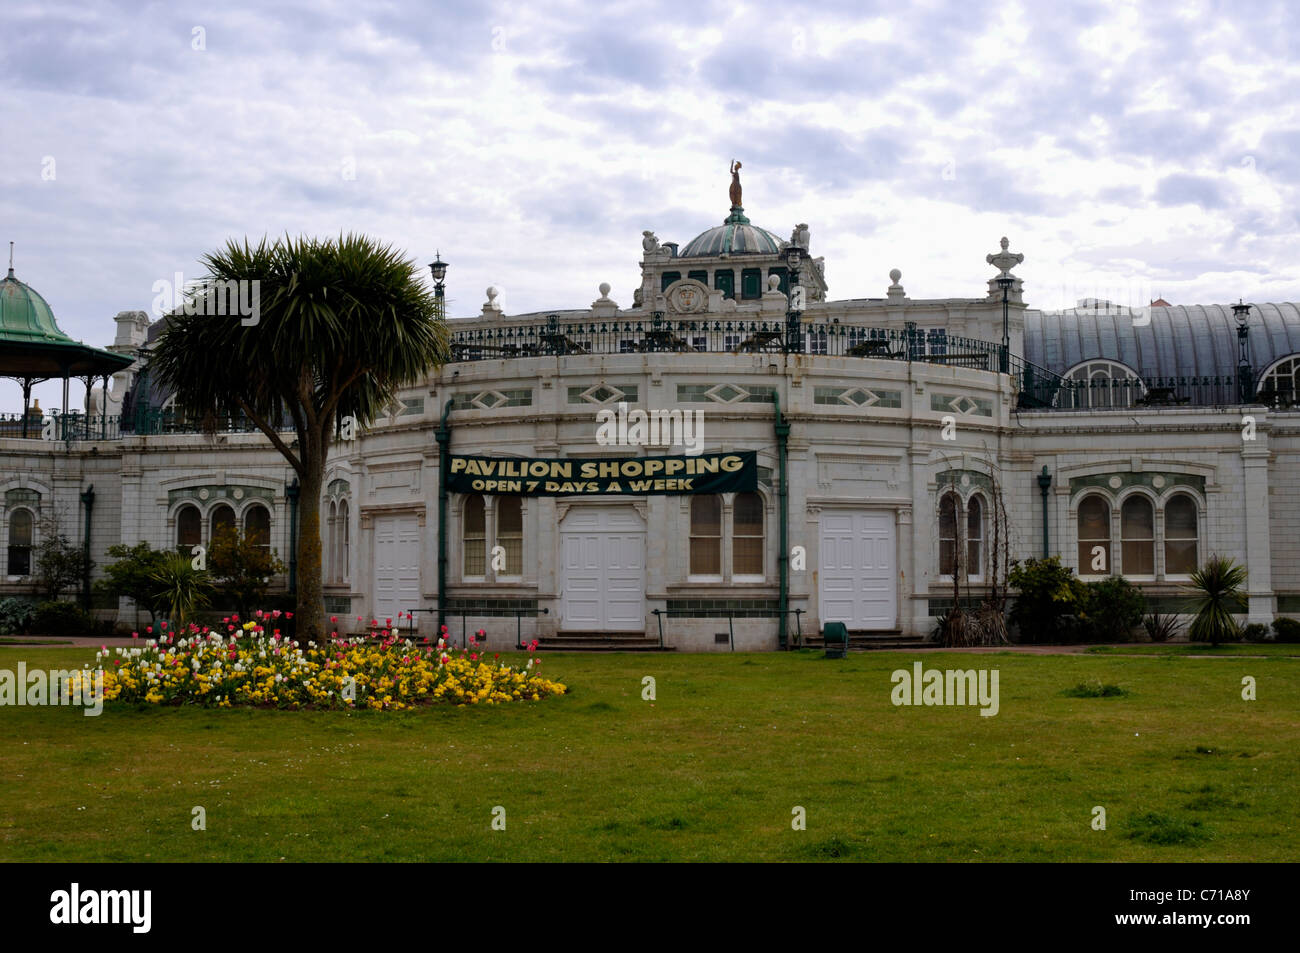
[(1256, 649), (713, 769)]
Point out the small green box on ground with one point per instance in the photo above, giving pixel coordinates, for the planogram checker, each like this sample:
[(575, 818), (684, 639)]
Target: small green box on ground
[(836, 637)]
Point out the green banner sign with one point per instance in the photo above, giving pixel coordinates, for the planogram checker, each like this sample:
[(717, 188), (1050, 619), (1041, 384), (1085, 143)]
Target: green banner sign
[(735, 472)]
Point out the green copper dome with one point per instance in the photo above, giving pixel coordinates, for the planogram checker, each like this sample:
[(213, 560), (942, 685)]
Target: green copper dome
[(32, 347), (25, 317), (735, 236)]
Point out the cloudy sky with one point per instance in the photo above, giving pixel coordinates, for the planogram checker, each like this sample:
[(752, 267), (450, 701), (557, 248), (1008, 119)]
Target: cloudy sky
[(1127, 149)]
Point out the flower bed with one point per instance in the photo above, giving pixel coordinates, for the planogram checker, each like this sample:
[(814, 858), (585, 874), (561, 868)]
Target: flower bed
[(248, 666)]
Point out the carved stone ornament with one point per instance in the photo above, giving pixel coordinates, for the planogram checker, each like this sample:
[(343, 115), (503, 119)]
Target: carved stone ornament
[(688, 297)]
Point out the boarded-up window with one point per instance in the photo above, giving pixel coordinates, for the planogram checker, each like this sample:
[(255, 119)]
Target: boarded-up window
[(706, 536), (747, 535)]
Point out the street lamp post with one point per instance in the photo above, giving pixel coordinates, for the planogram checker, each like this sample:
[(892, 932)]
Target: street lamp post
[(794, 316), (1245, 382), (438, 268), (1004, 360)]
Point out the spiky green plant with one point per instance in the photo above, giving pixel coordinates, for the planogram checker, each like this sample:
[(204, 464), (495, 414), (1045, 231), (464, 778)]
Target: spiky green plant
[(182, 589), (342, 325), (1217, 594)]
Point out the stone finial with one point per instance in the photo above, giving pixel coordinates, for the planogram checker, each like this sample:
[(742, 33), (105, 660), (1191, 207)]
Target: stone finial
[(649, 242), (490, 306), (774, 283), (1005, 260), (604, 306), (895, 289)]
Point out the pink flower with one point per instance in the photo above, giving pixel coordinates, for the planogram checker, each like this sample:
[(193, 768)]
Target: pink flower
[(334, 618), (149, 629), (259, 613), (388, 622), (135, 635), (164, 623), (288, 615)]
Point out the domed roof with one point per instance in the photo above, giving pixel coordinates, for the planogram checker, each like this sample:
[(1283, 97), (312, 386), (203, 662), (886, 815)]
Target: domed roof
[(33, 347), (735, 236), (25, 315)]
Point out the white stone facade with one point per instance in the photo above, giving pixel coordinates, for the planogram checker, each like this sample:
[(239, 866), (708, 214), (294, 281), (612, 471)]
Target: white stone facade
[(872, 444)]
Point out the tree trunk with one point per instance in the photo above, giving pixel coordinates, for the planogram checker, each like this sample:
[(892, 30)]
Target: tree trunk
[(310, 612)]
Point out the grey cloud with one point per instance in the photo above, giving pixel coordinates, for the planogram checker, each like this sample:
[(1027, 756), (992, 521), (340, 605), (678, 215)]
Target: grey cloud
[(1183, 188)]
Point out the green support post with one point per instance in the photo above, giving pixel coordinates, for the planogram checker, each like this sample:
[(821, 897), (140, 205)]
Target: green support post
[(783, 496)]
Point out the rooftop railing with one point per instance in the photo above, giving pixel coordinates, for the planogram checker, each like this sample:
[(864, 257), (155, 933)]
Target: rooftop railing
[(81, 427)]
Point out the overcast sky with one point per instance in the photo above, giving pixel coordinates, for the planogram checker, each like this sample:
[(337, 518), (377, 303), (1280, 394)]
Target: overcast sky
[(1128, 150)]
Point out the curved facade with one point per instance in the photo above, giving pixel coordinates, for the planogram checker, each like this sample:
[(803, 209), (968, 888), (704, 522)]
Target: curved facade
[(886, 433)]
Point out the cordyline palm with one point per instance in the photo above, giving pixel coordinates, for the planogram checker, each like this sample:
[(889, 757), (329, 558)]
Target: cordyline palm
[(343, 324), (1218, 594)]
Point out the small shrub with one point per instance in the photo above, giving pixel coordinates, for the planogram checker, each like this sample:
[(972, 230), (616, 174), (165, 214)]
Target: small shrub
[(1161, 626), (1255, 632), (1114, 606), (1051, 602), (1287, 630), (61, 619), (1095, 689), (16, 616)]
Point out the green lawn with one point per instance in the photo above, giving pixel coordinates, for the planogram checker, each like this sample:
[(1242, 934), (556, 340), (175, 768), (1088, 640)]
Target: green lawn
[(1185, 769), (1267, 649)]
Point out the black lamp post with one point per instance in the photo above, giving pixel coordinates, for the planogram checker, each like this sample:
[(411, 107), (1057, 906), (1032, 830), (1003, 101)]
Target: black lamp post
[(1245, 382), (794, 316), (438, 268), (1004, 360)]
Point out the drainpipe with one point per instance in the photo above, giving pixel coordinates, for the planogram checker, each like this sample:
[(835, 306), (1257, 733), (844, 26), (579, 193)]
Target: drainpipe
[(443, 435), (1044, 484), (88, 501), (783, 495)]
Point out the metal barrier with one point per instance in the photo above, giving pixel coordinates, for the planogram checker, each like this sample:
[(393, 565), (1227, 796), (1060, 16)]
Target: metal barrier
[(730, 614)]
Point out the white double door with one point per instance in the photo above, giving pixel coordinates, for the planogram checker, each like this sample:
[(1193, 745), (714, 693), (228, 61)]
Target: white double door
[(397, 566), (859, 569), (602, 570)]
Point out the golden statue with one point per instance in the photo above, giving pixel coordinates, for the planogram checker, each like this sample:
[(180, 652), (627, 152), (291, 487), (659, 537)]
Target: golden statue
[(735, 184)]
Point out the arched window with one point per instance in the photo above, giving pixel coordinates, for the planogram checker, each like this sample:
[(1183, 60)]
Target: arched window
[(1094, 536), (510, 533), (331, 556), (1137, 530), (747, 535), (189, 529), (974, 537), (1180, 535), (20, 543), (1279, 386), (706, 536), (948, 534), (475, 537), (345, 537), (257, 526), (1101, 384), (222, 520)]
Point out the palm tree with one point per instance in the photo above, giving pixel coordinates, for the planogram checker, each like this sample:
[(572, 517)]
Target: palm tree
[(342, 325), (181, 589), (1218, 594)]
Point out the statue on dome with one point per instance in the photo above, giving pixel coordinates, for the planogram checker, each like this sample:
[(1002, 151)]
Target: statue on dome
[(735, 184)]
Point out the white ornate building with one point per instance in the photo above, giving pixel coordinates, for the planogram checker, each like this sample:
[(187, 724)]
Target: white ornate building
[(1120, 440)]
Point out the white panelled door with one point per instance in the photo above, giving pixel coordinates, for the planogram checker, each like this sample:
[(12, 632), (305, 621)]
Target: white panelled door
[(858, 572), (397, 566), (602, 570)]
